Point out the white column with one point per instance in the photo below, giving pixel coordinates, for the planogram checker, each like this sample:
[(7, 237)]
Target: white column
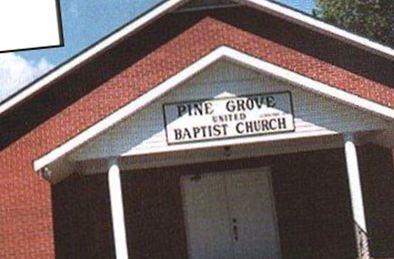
[(118, 222), (354, 182)]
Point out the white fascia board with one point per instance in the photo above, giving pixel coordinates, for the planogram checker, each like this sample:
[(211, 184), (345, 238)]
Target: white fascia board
[(170, 5), (169, 84), (128, 109), (88, 54), (310, 84), (323, 27)]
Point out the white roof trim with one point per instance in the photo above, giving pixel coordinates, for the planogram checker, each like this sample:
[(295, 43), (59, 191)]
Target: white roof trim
[(328, 29), (219, 53), (62, 70), (169, 5)]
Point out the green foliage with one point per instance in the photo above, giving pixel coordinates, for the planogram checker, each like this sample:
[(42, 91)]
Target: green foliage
[(373, 19)]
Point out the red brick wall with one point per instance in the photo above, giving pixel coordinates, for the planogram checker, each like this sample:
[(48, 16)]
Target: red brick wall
[(82, 218), (313, 204), (25, 206), (122, 74), (153, 214), (377, 175)]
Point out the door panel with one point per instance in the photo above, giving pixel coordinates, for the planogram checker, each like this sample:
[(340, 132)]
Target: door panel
[(230, 215), (252, 215), (205, 206)]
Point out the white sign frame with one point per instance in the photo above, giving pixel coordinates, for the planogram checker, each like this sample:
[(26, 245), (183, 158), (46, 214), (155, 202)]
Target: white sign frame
[(169, 121)]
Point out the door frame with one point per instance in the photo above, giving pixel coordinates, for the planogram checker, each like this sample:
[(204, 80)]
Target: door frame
[(266, 169)]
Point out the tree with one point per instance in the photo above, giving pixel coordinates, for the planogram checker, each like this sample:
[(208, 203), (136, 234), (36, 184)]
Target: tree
[(373, 19)]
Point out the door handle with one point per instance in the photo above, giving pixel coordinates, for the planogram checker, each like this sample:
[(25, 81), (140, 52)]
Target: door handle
[(235, 229)]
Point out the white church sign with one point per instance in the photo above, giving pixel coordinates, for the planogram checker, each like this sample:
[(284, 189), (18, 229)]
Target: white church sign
[(233, 117)]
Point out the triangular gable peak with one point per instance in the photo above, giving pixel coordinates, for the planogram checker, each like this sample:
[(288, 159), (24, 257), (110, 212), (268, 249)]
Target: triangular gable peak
[(168, 6), (139, 127), (145, 133)]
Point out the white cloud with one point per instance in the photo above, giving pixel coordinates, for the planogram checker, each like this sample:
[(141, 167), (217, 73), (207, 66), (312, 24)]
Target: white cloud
[(16, 72)]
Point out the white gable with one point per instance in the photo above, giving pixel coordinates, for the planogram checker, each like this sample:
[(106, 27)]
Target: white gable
[(144, 132)]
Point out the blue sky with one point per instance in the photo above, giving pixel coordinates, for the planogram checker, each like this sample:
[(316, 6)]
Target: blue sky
[(84, 22), (302, 5)]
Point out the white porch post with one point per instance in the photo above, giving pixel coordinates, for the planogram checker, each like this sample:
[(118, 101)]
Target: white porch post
[(356, 195), (353, 173), (118, 222)]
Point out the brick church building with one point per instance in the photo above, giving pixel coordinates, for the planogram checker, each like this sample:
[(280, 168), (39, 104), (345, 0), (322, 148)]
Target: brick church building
[(205, 129)]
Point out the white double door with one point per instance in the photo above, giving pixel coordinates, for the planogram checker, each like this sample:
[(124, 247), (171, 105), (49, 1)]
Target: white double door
[(230, 215)]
